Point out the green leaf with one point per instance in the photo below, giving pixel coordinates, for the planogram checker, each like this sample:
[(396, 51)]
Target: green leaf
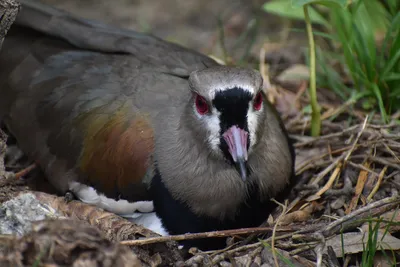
[(283, 8), (330, 3)]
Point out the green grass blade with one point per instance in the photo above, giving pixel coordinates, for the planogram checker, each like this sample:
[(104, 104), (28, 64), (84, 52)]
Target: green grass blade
[(391, 64), (391, 77), (378, 96), (394, 26)]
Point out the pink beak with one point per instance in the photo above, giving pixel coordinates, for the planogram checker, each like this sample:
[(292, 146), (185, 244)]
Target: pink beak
[(236, 139)]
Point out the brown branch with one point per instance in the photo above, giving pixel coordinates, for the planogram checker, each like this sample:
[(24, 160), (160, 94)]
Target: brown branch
[(373, 209), (223, 233)]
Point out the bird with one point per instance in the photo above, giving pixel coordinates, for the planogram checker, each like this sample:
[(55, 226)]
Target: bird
[(141, 127)]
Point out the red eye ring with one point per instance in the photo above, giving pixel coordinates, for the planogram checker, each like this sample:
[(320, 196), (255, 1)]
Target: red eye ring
[(201, 104), (257, 102)]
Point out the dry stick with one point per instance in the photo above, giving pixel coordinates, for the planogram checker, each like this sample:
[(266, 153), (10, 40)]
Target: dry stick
[(378, 207), (328, 136), (356, 141), (311, 140), (331, 179), (381, 160), (318, 178), (328, 169), (333, 227), (335, 110), (284, 207), (391, 152), (302, 231), (223, 233), (252, 256), (361, 167), (306, 165), (220, 257), (338, 164)]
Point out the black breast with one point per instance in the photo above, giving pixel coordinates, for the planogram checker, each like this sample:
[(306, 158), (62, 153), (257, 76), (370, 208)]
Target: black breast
[(177, 218)]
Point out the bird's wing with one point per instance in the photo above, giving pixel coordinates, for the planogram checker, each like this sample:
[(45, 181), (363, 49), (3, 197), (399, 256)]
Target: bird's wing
[(67, 92), (93, 35)]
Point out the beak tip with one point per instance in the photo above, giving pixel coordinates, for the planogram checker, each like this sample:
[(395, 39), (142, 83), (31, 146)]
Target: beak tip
[(243, 171)]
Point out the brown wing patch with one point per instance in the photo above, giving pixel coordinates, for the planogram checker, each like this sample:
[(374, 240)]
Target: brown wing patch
[(116, 152)]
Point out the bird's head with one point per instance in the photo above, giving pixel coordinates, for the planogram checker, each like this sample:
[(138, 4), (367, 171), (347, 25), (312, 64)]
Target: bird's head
[(227, 106)]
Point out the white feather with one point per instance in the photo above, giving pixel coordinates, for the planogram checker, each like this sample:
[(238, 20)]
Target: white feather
[(212, 124), (140, 212), (150, 221), (247, 87), (252, 123)]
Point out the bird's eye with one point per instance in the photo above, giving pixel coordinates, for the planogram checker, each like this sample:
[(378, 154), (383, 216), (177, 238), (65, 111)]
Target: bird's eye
[(201, 105), (257, 102)]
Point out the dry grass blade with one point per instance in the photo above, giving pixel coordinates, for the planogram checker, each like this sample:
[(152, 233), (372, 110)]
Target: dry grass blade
[(377, 185), (362, 178), (331, 179)]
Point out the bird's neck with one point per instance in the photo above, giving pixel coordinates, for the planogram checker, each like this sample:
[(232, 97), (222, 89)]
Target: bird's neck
[(209, 186)]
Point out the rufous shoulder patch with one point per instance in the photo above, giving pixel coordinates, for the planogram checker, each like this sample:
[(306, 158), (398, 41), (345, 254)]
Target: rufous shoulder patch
[(116, 150)]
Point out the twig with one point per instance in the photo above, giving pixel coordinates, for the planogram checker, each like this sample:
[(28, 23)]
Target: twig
[(319, 248), (284, 207), (356, 141), (381, 160), (391, 152), (336, 225), (362, 167), (346, 190), (222, 233), (328, 169), (331, 180), (226, 254)]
